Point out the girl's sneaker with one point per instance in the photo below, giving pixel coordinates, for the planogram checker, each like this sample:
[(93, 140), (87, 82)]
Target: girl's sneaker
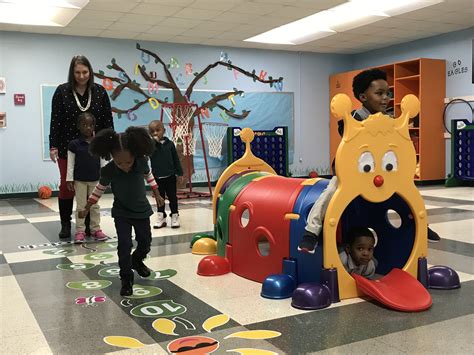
[(79, 238), (161, 221), (175, 220), (99, 235)]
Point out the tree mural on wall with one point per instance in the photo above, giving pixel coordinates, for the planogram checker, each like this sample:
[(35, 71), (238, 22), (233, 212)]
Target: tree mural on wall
[(123, 80)]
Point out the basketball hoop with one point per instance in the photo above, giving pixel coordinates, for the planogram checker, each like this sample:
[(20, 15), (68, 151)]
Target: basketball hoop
[(214, 133), (179, 116)]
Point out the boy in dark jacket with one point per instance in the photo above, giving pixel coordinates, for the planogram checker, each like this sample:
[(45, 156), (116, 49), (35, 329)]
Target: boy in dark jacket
[(166, 169), (370, 87)]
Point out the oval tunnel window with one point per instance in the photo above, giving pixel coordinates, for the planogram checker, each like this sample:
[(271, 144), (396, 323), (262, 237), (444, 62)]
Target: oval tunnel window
[(245, 218), (263, 245), (394, 219)]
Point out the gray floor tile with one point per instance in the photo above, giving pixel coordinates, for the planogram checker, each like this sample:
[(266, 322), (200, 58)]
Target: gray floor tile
[(376, 320), (454, 336), (450, 216), (37, 266), (14, 235), (13, 221), (29, 207), (453, 246), (5, 270)]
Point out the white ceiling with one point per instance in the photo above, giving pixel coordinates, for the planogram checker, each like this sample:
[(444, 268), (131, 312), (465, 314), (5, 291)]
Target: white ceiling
[(229, 22)]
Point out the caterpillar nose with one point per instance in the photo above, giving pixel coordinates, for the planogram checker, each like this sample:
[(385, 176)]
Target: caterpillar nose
[(378, 180)]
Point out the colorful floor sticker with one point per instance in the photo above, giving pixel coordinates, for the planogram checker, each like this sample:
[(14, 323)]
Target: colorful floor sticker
[(193, 345), (89, 284), (75, 266), (196, 345), (98, 256), (164, 326), (162, 308), (126, 303), (90, 301), (111, 271), (251, 351), (141, 291), (161, 274), (59, 251), (108, 246), (124, 342), (215, 321)]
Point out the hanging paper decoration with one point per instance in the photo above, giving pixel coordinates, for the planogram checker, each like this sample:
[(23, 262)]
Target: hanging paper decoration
[(205, 112), (122, 77), (131, 115), (279, 86), (262, 75), (173, 63), (224, 57), (153, 103), (107, 84), (137, 69), (189, 68), (236, 73), (145, 58), (152, 87), (231, 98), (178, 79), (224, 115)]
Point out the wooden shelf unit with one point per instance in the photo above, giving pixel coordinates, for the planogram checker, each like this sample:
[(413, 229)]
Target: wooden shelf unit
[(424, 78)]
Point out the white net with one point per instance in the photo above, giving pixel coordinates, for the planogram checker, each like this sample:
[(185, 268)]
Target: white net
[(179, 116), (214, 133)]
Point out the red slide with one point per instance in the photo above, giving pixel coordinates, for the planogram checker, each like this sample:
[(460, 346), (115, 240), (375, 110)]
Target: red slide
[(397, 290)]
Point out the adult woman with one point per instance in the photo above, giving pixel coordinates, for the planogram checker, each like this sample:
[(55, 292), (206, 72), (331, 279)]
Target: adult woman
[(79, 94)]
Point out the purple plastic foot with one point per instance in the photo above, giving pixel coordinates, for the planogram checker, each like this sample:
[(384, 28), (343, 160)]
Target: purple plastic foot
[(329, 278), (312, 295), (423, 271), (443, 278)]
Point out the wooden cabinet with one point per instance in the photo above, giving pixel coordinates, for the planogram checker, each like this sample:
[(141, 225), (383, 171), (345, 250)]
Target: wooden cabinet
[(425, 78)]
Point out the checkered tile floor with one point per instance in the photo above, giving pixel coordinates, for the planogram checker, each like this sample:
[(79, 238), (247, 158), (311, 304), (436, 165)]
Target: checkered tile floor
[(48, 306)]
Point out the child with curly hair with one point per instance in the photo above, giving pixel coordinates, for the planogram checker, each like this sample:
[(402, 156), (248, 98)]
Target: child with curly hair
[(126, 173)]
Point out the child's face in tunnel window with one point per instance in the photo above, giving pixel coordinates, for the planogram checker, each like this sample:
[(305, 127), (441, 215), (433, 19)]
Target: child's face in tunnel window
[(362, 250)]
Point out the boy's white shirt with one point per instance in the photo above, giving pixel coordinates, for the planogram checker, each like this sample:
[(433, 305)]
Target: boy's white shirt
[(71, 160)]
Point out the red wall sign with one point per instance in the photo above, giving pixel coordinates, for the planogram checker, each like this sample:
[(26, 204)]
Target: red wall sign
[(19, 99)]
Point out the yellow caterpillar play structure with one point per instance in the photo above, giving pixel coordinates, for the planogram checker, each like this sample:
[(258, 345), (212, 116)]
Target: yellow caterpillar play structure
[(259, 220)]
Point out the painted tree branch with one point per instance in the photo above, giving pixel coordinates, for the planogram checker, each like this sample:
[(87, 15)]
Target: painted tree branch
[(252, 75), (148, 78), (214, 103), (232, 114), (178, 97), (129, 84)]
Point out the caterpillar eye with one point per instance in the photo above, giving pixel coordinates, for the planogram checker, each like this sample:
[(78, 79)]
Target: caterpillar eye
[(389, 161), (366, 162)]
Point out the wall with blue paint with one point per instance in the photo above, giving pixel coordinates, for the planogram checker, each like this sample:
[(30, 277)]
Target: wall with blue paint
[(31, 60), (28, 61)]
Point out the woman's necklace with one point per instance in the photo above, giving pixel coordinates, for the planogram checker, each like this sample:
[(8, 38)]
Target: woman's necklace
[(83, 109)]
